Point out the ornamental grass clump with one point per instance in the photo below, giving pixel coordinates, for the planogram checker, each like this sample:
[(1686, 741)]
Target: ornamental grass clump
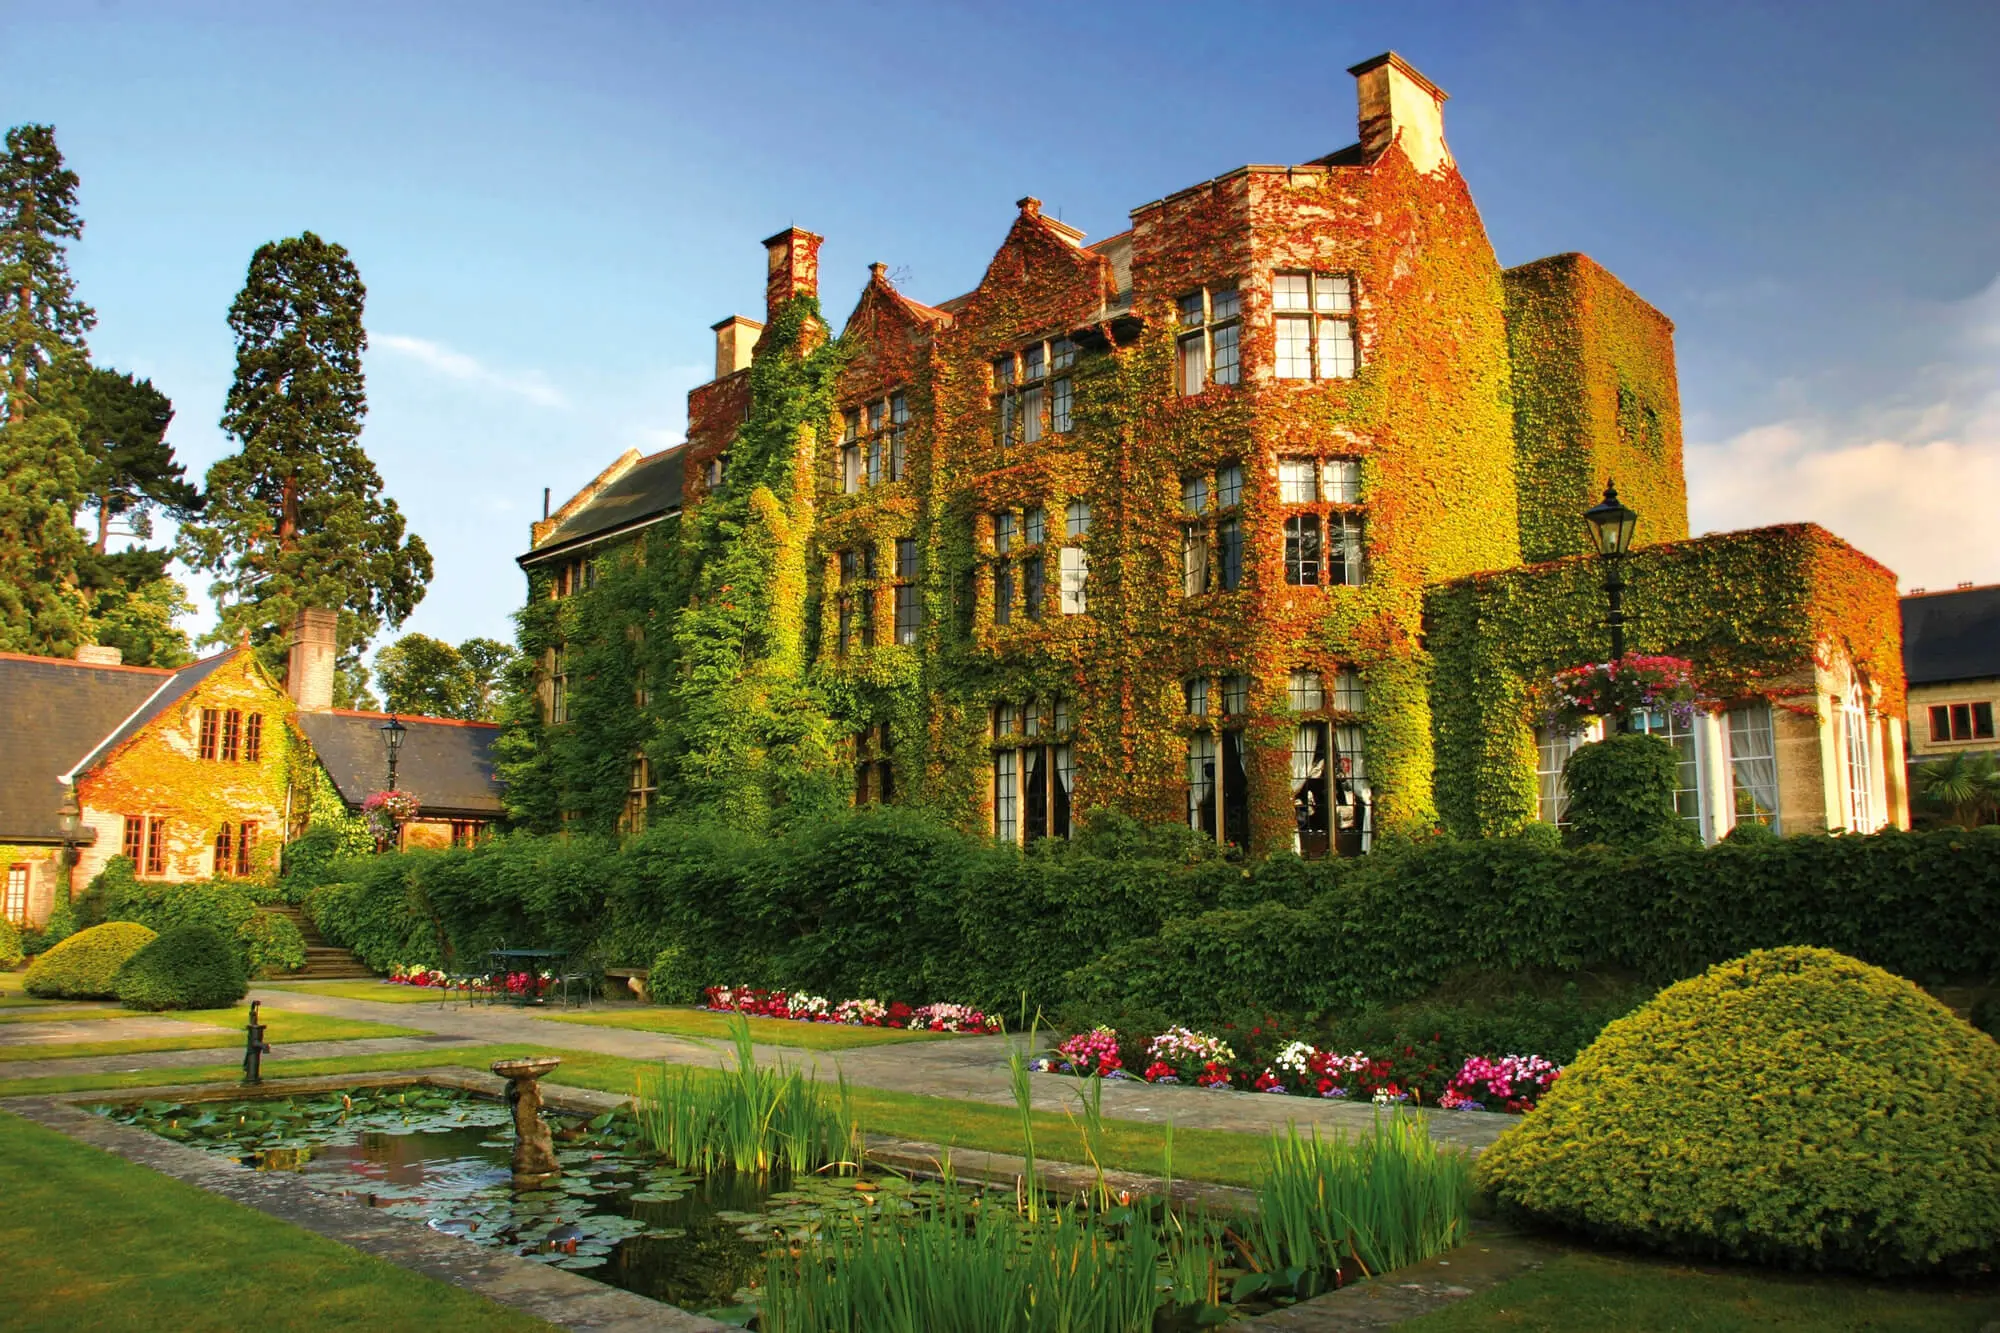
[(1794, 1107), (1374, 1202), (750, 1119), (85, 966)]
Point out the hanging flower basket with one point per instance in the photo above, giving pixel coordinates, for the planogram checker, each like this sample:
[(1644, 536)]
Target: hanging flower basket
[(387, 809), (1634, 683)]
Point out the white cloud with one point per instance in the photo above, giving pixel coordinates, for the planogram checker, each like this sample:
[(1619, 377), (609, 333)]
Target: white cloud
[(1910, 483), (457, 365)]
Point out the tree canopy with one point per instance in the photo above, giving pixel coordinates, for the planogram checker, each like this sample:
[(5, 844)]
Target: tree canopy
[(297, 518), (43, 466), (430, 678), (123, 427)]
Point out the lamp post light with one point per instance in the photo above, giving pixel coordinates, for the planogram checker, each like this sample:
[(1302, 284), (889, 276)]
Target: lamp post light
[(1611, 527), (392, 741), (69, 821)]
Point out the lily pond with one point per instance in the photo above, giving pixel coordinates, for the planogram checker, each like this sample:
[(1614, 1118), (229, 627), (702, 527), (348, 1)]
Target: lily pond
[(617, 1213)]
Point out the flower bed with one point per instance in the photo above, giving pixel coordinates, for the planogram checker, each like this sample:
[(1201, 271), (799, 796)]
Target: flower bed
[(1178, 1055), (521, 985), (803, 1008)]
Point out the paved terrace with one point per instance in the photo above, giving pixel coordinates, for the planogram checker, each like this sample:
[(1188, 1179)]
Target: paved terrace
[(973, 1069)]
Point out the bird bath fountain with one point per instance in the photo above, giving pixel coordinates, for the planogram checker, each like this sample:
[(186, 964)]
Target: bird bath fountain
[(534, 1150)]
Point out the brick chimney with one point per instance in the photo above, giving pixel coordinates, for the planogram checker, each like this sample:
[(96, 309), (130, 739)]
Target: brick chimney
[(793, 270), (309, 668), (735, 339), (99, 654), (1400, 105)]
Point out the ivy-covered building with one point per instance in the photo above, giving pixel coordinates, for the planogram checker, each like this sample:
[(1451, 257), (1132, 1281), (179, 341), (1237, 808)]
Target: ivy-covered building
[(207, 770), (1221, 519)]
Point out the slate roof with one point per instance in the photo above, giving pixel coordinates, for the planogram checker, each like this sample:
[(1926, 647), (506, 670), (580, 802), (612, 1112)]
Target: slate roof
[(1952, 635), (446, 765), (650, 488), (56, 714)]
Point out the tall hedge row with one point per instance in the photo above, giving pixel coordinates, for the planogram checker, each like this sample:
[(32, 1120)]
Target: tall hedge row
[(883, 902)]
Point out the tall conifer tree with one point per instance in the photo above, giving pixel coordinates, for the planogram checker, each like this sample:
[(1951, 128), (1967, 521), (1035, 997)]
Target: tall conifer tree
[(123, 425), (43, 466), (297, 517)]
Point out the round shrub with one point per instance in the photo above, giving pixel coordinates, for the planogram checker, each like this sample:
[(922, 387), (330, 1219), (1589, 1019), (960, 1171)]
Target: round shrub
[(1794, 1106), (674, 978), (271, 944), (188, 967), (10, 945), (82, 967)]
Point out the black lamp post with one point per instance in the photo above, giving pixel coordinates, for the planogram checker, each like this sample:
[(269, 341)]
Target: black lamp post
[(392, 741), (1611, 527)]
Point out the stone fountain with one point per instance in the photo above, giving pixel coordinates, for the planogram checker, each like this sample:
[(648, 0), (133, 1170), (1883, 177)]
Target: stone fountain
[(535, 1162)]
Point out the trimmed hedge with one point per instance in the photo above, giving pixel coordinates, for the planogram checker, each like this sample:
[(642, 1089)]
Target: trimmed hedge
[(188, 967), (882, 901), (84, 966), (10, 945), (1795, 1106)]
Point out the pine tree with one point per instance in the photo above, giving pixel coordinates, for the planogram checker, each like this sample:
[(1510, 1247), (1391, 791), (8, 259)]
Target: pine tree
[(43, 467), (133, 469), (297, 517)]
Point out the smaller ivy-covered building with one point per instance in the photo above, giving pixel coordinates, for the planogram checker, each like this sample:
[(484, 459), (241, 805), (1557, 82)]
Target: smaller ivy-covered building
[(205, 771), (1263, 514)]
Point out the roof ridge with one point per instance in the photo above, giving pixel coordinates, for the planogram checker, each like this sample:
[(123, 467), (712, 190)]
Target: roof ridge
[(92, 666)]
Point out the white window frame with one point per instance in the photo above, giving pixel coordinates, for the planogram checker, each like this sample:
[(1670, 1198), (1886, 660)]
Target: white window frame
[(1313, 324)]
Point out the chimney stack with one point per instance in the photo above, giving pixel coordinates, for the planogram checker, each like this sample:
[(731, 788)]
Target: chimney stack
[(99, 654), (309, 668), (1400, 105), (793, 256), (735, 339)]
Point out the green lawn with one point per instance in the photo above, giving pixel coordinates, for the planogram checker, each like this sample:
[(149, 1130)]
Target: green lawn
[(96, 1242), (382, 992), (65, 1011), (1588, 1290), (685, 1022), (282, 1026)]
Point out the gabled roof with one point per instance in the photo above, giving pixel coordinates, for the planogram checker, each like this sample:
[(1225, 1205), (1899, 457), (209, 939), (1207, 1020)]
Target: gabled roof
[(171, 691), (446, 764), (55, 714), (1952, 635), (650, 489)]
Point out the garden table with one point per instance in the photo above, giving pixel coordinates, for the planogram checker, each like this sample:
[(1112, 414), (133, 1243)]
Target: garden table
[(532, 961)]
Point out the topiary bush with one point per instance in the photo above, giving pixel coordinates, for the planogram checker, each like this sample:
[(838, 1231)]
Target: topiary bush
[(188, 967), (10, 945), (271, 945), (1621, 792), (83, 966), (1794, 1107)]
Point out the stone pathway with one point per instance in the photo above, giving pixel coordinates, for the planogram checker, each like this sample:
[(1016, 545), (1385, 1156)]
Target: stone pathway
[(973, 1069)]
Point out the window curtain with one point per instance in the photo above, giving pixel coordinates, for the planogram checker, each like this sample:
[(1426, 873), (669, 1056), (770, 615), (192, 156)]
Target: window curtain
[(1753, 763)]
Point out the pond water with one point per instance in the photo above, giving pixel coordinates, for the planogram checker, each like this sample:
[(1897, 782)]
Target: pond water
[(617, 1213)]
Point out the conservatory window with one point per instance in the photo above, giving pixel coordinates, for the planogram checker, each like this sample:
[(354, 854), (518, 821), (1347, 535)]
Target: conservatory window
[(1857, 725), (1553, 747), (1753, 764), (1680, 730)]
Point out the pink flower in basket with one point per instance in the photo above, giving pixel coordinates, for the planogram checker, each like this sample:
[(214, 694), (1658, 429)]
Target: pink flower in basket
[(1634, 683)]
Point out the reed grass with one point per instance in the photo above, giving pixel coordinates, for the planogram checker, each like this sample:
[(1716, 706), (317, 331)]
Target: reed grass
[(1374, 1202), (753, 1119)]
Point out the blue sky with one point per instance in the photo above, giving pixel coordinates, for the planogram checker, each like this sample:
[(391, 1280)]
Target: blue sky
[(550, 204)]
